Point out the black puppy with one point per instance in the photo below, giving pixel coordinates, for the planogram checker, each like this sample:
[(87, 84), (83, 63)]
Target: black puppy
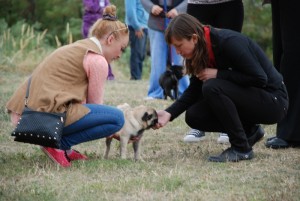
[(169, 81)]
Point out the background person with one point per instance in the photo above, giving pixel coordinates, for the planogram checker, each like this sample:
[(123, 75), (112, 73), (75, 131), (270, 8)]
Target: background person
[(54, 89), (136, 18), (93, 10), (233, 86), (286, 59), (225, 14), (158, 47)]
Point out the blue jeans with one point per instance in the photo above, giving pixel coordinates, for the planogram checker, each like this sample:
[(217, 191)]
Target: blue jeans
[(102, 121), (159, 56), (138, 53)]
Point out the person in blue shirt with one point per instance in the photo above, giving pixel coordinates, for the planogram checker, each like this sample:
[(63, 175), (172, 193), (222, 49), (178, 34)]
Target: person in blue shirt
[(136, 19), (160, 13)]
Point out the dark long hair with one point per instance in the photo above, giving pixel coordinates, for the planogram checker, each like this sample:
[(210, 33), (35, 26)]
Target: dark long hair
[(184, 26)]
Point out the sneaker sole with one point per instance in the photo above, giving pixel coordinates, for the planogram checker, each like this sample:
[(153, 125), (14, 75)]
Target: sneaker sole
[(193, 140)]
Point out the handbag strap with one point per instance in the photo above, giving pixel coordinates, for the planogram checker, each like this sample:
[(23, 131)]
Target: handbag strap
[(27, 91), (27, 94)]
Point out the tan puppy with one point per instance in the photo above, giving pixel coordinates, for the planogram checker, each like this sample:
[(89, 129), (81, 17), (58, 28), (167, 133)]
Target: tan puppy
[(137, 120)]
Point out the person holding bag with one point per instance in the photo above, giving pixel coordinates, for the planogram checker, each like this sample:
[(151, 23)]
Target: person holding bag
[(72, 80), (233, 86)]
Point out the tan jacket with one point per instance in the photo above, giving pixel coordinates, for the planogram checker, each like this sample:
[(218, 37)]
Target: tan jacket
[(58, 83)]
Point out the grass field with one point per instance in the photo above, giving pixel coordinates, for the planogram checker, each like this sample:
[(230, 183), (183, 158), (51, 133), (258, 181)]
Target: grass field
[(170, 170)]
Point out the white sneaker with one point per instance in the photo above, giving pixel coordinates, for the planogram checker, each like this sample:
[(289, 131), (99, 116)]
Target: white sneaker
[(194, 136), (223, 138), (149, 98)]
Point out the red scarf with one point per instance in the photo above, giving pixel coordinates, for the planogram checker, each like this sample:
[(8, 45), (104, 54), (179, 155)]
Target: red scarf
[(211, 56)]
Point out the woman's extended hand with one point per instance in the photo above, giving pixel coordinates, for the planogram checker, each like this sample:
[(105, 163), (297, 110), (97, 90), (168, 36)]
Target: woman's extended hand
[(163, 118)]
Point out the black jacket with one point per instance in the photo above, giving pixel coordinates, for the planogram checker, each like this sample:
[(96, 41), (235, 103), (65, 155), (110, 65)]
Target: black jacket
[(239, 60)]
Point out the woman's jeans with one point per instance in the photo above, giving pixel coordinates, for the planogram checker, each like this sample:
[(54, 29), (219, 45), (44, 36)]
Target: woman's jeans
[(102, 121), (159, 56)]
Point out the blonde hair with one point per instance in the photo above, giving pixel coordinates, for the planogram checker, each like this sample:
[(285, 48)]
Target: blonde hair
[(109, 24)]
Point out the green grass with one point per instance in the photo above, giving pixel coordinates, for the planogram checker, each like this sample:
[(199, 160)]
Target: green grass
[(170, 170)]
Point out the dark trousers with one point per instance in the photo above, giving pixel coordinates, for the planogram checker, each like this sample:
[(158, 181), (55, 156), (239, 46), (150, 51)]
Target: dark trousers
[(286, 55), (228, 15), (233, 109), (138, 53)]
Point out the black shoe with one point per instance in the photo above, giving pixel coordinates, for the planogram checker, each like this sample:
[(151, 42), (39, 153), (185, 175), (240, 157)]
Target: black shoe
[(277, 143), (257, 135), (230, 155)]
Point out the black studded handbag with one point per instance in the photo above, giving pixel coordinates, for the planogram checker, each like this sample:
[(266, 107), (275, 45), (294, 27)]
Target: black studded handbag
[(41, 128)]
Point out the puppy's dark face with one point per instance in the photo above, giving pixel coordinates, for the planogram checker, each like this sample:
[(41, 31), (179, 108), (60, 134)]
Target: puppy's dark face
[(150, 118), (178, 71), (147, 116), (170, 78)]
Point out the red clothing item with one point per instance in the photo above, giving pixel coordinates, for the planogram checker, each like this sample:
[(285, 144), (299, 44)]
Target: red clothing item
[(212, 62)]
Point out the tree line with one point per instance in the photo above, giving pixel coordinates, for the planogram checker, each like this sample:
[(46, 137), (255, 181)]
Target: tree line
[(56, 16)]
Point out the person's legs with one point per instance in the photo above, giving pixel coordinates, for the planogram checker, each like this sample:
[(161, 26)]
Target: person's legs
[(135, 74), (143, 49), (276, 35), (204, 13), (200, 116), (138, 52), (110, 75), (85, 28), (234, 110), (230, 15), (102, 121), (287, 61), (158, 47), (289, 128)]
